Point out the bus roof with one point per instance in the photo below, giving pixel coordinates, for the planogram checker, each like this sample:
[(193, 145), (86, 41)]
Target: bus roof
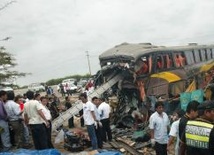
[(134, 51)]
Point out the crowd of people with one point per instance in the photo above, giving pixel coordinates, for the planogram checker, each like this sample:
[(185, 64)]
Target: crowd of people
[(31, 114), (96, 119), (22, 115)]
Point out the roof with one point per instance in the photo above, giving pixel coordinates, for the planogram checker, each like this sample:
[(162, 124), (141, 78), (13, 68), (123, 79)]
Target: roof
[(134, 51)]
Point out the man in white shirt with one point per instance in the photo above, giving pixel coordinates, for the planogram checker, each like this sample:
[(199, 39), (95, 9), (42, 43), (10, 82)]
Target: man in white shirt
[(14, 112), (35, 118), (104, 110), (47, 113), (159, 125), (89, 119), (98, 128), (174, 131)]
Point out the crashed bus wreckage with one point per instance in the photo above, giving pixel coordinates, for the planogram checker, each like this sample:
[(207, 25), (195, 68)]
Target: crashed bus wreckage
[(134, 76)]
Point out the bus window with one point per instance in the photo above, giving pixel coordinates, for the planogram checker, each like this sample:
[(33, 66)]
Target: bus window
[(143, 65), (180, 59), (196, 56), (209, 54), (203, 55), (167, 61), (190, 57), (212, 53), (160, 62)]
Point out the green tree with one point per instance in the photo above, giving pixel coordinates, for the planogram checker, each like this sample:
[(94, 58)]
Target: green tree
[(7, 62)]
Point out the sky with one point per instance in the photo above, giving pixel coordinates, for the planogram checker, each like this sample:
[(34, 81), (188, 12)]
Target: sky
[(49, 38)]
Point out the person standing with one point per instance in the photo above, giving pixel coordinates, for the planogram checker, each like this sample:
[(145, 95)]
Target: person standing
[(34, 116), (199, 133), (68, 105), (4, 128), (174, 131), (104, 110), (98, 127), (89, 119), (14, 114), (191, 114), (159, 126), (25, 130), (46, 112)]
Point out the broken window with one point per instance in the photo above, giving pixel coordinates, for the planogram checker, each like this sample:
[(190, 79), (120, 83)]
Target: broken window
[(176, 88), (143, 65)]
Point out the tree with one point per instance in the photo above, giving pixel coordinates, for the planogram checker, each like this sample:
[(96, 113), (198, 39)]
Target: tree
[(7, 62)]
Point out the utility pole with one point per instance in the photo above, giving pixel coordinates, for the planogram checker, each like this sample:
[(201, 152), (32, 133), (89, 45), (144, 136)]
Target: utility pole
[(89, 66)]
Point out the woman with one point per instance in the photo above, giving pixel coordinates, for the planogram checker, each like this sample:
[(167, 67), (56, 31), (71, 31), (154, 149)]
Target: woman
[(47, 114)]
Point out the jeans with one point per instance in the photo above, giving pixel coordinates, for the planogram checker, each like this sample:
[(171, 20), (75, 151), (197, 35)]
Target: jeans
[(99, 137), (5, 135), (25, 137), (92, 136)]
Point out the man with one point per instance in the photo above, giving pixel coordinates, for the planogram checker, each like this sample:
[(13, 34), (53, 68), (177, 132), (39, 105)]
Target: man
[(104, 110), (199, 133), (14, 113), (191, 113), (174, 131), (68, 105), (159, 125), (4, 128), (35, 118), (89, 119), (47, 114), (98, 127)]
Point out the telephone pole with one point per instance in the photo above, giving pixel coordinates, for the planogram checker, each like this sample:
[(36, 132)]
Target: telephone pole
[(89, 66)]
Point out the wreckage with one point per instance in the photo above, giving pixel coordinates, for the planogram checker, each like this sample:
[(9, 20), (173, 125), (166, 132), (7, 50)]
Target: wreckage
[(139, 74)]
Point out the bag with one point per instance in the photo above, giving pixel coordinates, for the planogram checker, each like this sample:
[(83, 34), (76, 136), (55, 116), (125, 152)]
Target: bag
[(60, 137)]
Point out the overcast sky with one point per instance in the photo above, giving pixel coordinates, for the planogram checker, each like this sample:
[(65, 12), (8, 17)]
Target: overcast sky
[(50, 37)]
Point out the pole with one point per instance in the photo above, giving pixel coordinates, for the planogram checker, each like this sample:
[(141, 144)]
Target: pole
[(89, 66)]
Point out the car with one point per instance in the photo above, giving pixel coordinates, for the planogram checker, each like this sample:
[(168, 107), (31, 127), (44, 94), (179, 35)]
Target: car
[(71, 80), (36, 87), (81, 83), (72, 87), (6, 88)]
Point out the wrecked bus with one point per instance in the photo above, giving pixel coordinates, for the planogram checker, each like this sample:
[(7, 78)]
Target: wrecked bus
[(150, 72)]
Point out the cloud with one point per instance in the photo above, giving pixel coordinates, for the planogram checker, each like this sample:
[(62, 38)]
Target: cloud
[(49, 38)]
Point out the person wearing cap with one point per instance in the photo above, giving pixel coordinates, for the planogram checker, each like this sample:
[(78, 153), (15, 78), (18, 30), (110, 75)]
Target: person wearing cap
[(199, 133)]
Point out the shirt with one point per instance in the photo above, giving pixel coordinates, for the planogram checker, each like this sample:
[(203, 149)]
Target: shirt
[(197, 151), (182, 125), (31, 109), (175, 133), (88, 107), (160, 125), (104, 110), (13, 110), (96, 112), (46, 112)]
